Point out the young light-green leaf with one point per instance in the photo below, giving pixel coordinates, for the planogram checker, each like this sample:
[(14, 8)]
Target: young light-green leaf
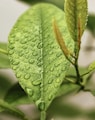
[(76, 17), (35, 56), (4, 61)]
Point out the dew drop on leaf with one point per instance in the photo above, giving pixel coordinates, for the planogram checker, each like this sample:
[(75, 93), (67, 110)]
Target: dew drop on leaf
[(50, 81), (41, 105), (27, 67), (34, 53), (29, 91), (58, 80), (31, 61), (15, 67), (50, 97), (18, 75), (39, 46), (16, 62), (27, 76), (56, 85), (11, 52), (36, 82)]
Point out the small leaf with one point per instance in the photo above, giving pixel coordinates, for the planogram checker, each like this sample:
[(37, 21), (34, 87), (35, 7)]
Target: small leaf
[(35, 56), (4, 61), (91, 66), (4, 106), (76, 11), (67, 88), (60, 40)]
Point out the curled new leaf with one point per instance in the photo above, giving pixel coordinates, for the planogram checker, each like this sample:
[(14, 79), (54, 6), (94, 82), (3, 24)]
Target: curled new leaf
[(76, 16), (61, 42), (35, 56)]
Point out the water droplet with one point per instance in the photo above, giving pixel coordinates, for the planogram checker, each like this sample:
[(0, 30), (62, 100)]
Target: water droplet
[(56, 64), (26, 56), (34, 53), (11, 52), (15, 62), (52, 46), (36, 82), (42, 85), (51, 69), (50, 97), (11, 47), (39, 64), (63, 69), (29, 91), (18, 35), (18, 75), (41, 105), (57, 74), (23, 41), (31, 61), (58, 80), (21, 54), (39, 46), (56, 85), (24, 47), (27, 67), (58, 54), (51, 52), (27, 76), (50, 81), (39, 59), (14, 67), (11, 41)]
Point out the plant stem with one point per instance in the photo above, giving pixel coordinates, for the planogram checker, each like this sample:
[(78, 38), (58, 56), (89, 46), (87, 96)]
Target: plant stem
[(79, 78), (43, 115), (3, 51)]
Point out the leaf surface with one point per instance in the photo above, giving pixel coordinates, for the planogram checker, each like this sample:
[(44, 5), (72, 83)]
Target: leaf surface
[(35, 56), (76, 17)]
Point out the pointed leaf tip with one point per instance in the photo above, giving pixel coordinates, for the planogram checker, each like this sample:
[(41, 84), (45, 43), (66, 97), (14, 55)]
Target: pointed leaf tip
[(75, 10)]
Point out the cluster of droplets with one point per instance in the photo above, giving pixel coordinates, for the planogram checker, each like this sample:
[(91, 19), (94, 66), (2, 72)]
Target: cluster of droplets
[(35, 56)]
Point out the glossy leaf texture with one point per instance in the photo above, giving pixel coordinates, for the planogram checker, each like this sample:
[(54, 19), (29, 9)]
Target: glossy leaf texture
[(76, 17), (35, 56)]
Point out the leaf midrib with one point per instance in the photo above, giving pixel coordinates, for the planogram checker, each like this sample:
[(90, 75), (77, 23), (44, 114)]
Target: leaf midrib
[(42, 52)]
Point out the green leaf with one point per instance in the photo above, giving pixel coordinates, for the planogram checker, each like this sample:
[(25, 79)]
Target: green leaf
[(76, 17), (16, 96), (35, 56), (4, 61), (68, 88), (91, 66), (4, 106)]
